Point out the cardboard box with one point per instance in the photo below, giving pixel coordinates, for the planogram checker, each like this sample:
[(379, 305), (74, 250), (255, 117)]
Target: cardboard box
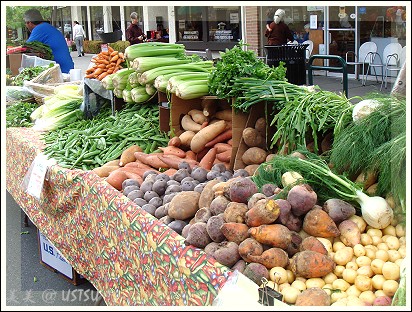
[(179, 107), (164, 112), (258, 110), (13, 61)]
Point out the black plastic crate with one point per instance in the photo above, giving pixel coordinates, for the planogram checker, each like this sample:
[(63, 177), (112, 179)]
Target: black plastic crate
[(294, 57)]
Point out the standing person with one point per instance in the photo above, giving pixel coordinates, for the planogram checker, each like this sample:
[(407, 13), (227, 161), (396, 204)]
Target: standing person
[(134, 34), (42, 31), (78, 36), (269, 14), (280, 32)]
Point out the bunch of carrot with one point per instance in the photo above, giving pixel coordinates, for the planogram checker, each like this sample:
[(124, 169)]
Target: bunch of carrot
[(106, 63)]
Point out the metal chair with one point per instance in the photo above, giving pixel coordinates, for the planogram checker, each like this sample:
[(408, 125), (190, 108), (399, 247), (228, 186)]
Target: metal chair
[(394, 63), (364, 56), (391, 52), (309, 48)]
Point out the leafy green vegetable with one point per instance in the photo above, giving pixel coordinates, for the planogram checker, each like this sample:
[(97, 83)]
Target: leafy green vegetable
[(235, 63), (18, 114), (42, 50), (28, 73)]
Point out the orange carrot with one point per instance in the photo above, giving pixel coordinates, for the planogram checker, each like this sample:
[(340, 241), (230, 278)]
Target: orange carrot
[(102, 75), (114, 58), (114, 53), (207, 160)]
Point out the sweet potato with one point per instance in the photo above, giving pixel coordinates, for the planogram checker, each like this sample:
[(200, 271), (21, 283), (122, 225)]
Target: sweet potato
[(225, 114), (197, 116), (222, 147), (116, 179), (174, 141), (256, 272), (224, 136), (184, 205), (263, 212), (313, 296), (310, 264), (350, 234), (128, 154), (189, 124), (227, 253), (235, 212), (173, 161), (274, 235), (250, 246), (312, 243), (318, 223), (207, 161), (235, 232), (104, 171), (151, 159), (114, 162), (338, 209), (197, 235), (185, 138), (253, 156), (208, 133), (224, 156), (173, 150), (302, 198), (272, 257)]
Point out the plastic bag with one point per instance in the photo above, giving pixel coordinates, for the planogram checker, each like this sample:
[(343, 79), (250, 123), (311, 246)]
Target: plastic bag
[(17, 93)]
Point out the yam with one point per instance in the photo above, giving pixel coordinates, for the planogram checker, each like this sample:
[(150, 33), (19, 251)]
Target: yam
[(197, 116), (274, 235), (313, 296), (128, 154), (263, 212), (309, 264), (235, 212), (318, 223), (250, 246), (235, 232), (206, 134), (225, 114), (116, 178), (104, 171), (188, 124), (272, 257), (185, 138)]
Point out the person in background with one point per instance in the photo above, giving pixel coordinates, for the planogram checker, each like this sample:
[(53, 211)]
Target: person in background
[(69, 42), (78, 36), (269, 14), (305, 35), (280, 32), (134, 34), (42, 31)]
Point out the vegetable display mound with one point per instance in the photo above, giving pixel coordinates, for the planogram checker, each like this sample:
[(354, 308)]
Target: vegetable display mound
[(18, 114), (27, 74), (235, 63), (42, 50)]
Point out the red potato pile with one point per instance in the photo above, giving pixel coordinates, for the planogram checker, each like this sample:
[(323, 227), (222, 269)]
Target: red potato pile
[(317, 254)]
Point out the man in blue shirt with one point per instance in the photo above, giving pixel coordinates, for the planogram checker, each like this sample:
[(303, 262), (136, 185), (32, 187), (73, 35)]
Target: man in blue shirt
[(42, 31)]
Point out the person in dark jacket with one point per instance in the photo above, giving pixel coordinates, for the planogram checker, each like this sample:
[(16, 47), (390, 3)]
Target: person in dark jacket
[(280, 32), (134, 34)]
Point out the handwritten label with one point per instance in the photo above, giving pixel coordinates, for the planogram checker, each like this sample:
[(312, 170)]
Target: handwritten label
[(39, 169)]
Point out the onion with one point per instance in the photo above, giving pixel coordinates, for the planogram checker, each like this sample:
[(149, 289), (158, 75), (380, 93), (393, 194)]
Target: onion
[(375, 210)]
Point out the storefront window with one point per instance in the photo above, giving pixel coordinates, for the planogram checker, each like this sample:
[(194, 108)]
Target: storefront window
[(189, 23), (96, 15), (223, 24), (64, 23)]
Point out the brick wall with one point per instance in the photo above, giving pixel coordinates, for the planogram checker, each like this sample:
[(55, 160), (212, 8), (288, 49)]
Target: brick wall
[(253, 29)]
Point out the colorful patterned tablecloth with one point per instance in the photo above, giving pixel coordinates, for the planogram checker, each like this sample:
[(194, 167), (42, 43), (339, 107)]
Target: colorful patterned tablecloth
[(127, 254)]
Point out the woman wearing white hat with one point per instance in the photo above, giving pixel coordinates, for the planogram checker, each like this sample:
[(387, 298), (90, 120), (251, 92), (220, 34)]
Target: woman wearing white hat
[(280, 32)]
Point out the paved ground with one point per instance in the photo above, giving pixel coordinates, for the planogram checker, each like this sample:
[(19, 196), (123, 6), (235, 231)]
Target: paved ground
[(22, 253)]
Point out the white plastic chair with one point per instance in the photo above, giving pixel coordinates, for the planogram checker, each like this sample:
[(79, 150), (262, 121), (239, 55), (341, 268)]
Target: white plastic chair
[(309, 49), (394, 63), (390, 54), (364, 56)]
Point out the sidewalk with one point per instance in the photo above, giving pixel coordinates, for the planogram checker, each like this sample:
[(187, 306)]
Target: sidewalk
[(325, 82)]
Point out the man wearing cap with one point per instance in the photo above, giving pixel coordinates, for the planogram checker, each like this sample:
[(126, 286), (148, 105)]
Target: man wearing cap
[(42, 31), (134, 34), (280, 32)]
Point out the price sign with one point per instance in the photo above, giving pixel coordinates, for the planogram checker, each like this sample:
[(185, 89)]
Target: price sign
[(38, 173)]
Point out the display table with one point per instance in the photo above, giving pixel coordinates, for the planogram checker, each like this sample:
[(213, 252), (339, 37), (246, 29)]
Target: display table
[(127, 254)]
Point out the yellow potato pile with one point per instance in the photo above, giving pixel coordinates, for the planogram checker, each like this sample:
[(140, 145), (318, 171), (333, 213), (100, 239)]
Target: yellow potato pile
[(363, 272)]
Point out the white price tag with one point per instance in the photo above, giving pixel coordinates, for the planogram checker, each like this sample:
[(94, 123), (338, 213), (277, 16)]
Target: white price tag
[(38, 173)]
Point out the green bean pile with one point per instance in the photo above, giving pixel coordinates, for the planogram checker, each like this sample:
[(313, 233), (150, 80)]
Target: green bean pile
[(88, 144)]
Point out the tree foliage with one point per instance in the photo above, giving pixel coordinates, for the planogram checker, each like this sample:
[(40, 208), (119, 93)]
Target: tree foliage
[(14, 15)]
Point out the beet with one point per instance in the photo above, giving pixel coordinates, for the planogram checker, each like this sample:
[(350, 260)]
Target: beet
[(302, 198), (242, 189)]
